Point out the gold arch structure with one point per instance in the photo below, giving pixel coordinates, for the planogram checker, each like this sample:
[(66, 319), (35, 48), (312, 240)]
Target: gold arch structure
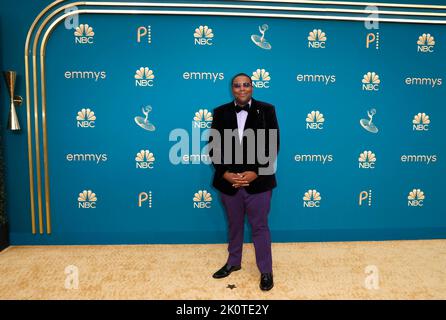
[(305, 9)]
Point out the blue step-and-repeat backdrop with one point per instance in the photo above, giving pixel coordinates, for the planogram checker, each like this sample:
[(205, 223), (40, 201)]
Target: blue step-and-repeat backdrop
[(129, 99)]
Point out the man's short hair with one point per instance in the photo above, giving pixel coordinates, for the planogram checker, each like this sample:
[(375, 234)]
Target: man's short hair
[(241, 74)]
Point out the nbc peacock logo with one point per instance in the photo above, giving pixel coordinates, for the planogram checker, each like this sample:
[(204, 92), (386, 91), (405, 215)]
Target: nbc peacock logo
[(317, 39), (371, 81), (367, 160), (261, 78), (202, 119), (315, 120), (83, 34), (312, 199), (426, 43), (415, 198), (144, 77), (86, 118), (203, 36), (144, 159), (202, 199), (87, 200), (421, 122)]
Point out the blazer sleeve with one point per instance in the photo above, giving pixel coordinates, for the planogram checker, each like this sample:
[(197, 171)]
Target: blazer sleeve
[(270, 120), (272, 123)]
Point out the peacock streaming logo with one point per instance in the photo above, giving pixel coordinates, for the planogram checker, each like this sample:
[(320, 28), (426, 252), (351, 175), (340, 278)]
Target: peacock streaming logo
[(83, 34), (426, 43), (367, 160), (202, 199), (365, 198), (312, 199), (371, 81), (144, 32), (86, 118), (261, 78), (203, 36), (87, 200), (416, 198), (202, 119), (144, 77), (317, 39), (145, 198), (144, 159), (421, 122), (315, 120), (372, 39)]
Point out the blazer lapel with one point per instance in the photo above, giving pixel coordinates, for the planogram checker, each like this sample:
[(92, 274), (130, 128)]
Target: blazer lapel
[(232, 117), (251, 120)]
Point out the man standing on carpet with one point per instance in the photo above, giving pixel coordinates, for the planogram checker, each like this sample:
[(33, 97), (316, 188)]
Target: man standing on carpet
[(243, 147)]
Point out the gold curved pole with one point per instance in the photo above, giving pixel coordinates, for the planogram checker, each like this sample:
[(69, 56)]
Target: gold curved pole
[(28, 118), (277, 8), (36, 111), (361, 4)]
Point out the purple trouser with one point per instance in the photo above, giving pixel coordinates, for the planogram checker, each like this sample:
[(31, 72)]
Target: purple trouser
[(256, 206)]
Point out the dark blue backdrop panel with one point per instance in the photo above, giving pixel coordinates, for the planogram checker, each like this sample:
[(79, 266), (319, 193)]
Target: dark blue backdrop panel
[(134, 204)]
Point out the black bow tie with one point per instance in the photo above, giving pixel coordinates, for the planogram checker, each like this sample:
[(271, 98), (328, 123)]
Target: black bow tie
[(240, 108)]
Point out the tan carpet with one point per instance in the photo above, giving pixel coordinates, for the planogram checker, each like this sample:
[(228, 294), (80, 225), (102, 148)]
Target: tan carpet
[(334, 270)]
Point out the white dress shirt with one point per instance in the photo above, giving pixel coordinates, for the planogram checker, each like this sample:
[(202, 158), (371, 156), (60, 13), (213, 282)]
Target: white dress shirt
[(241, 120)]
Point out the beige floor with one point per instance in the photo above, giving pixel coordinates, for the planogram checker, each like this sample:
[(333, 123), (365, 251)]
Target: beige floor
[(335, 270)]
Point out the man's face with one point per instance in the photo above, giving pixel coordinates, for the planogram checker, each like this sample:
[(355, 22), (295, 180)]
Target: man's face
[(242, 90)]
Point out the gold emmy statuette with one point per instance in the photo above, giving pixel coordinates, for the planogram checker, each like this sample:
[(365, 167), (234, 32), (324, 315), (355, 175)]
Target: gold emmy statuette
[(13, 120)]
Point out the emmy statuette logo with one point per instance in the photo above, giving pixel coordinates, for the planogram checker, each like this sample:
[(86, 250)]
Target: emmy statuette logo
[(367, 124), (260, 41), (144, 122)]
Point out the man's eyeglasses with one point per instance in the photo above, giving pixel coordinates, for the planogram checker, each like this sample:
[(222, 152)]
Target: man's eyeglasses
[(239, 85)]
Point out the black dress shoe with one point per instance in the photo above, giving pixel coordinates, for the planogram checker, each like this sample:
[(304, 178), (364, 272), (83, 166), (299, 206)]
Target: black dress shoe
[(225, 271), (266, 281)]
